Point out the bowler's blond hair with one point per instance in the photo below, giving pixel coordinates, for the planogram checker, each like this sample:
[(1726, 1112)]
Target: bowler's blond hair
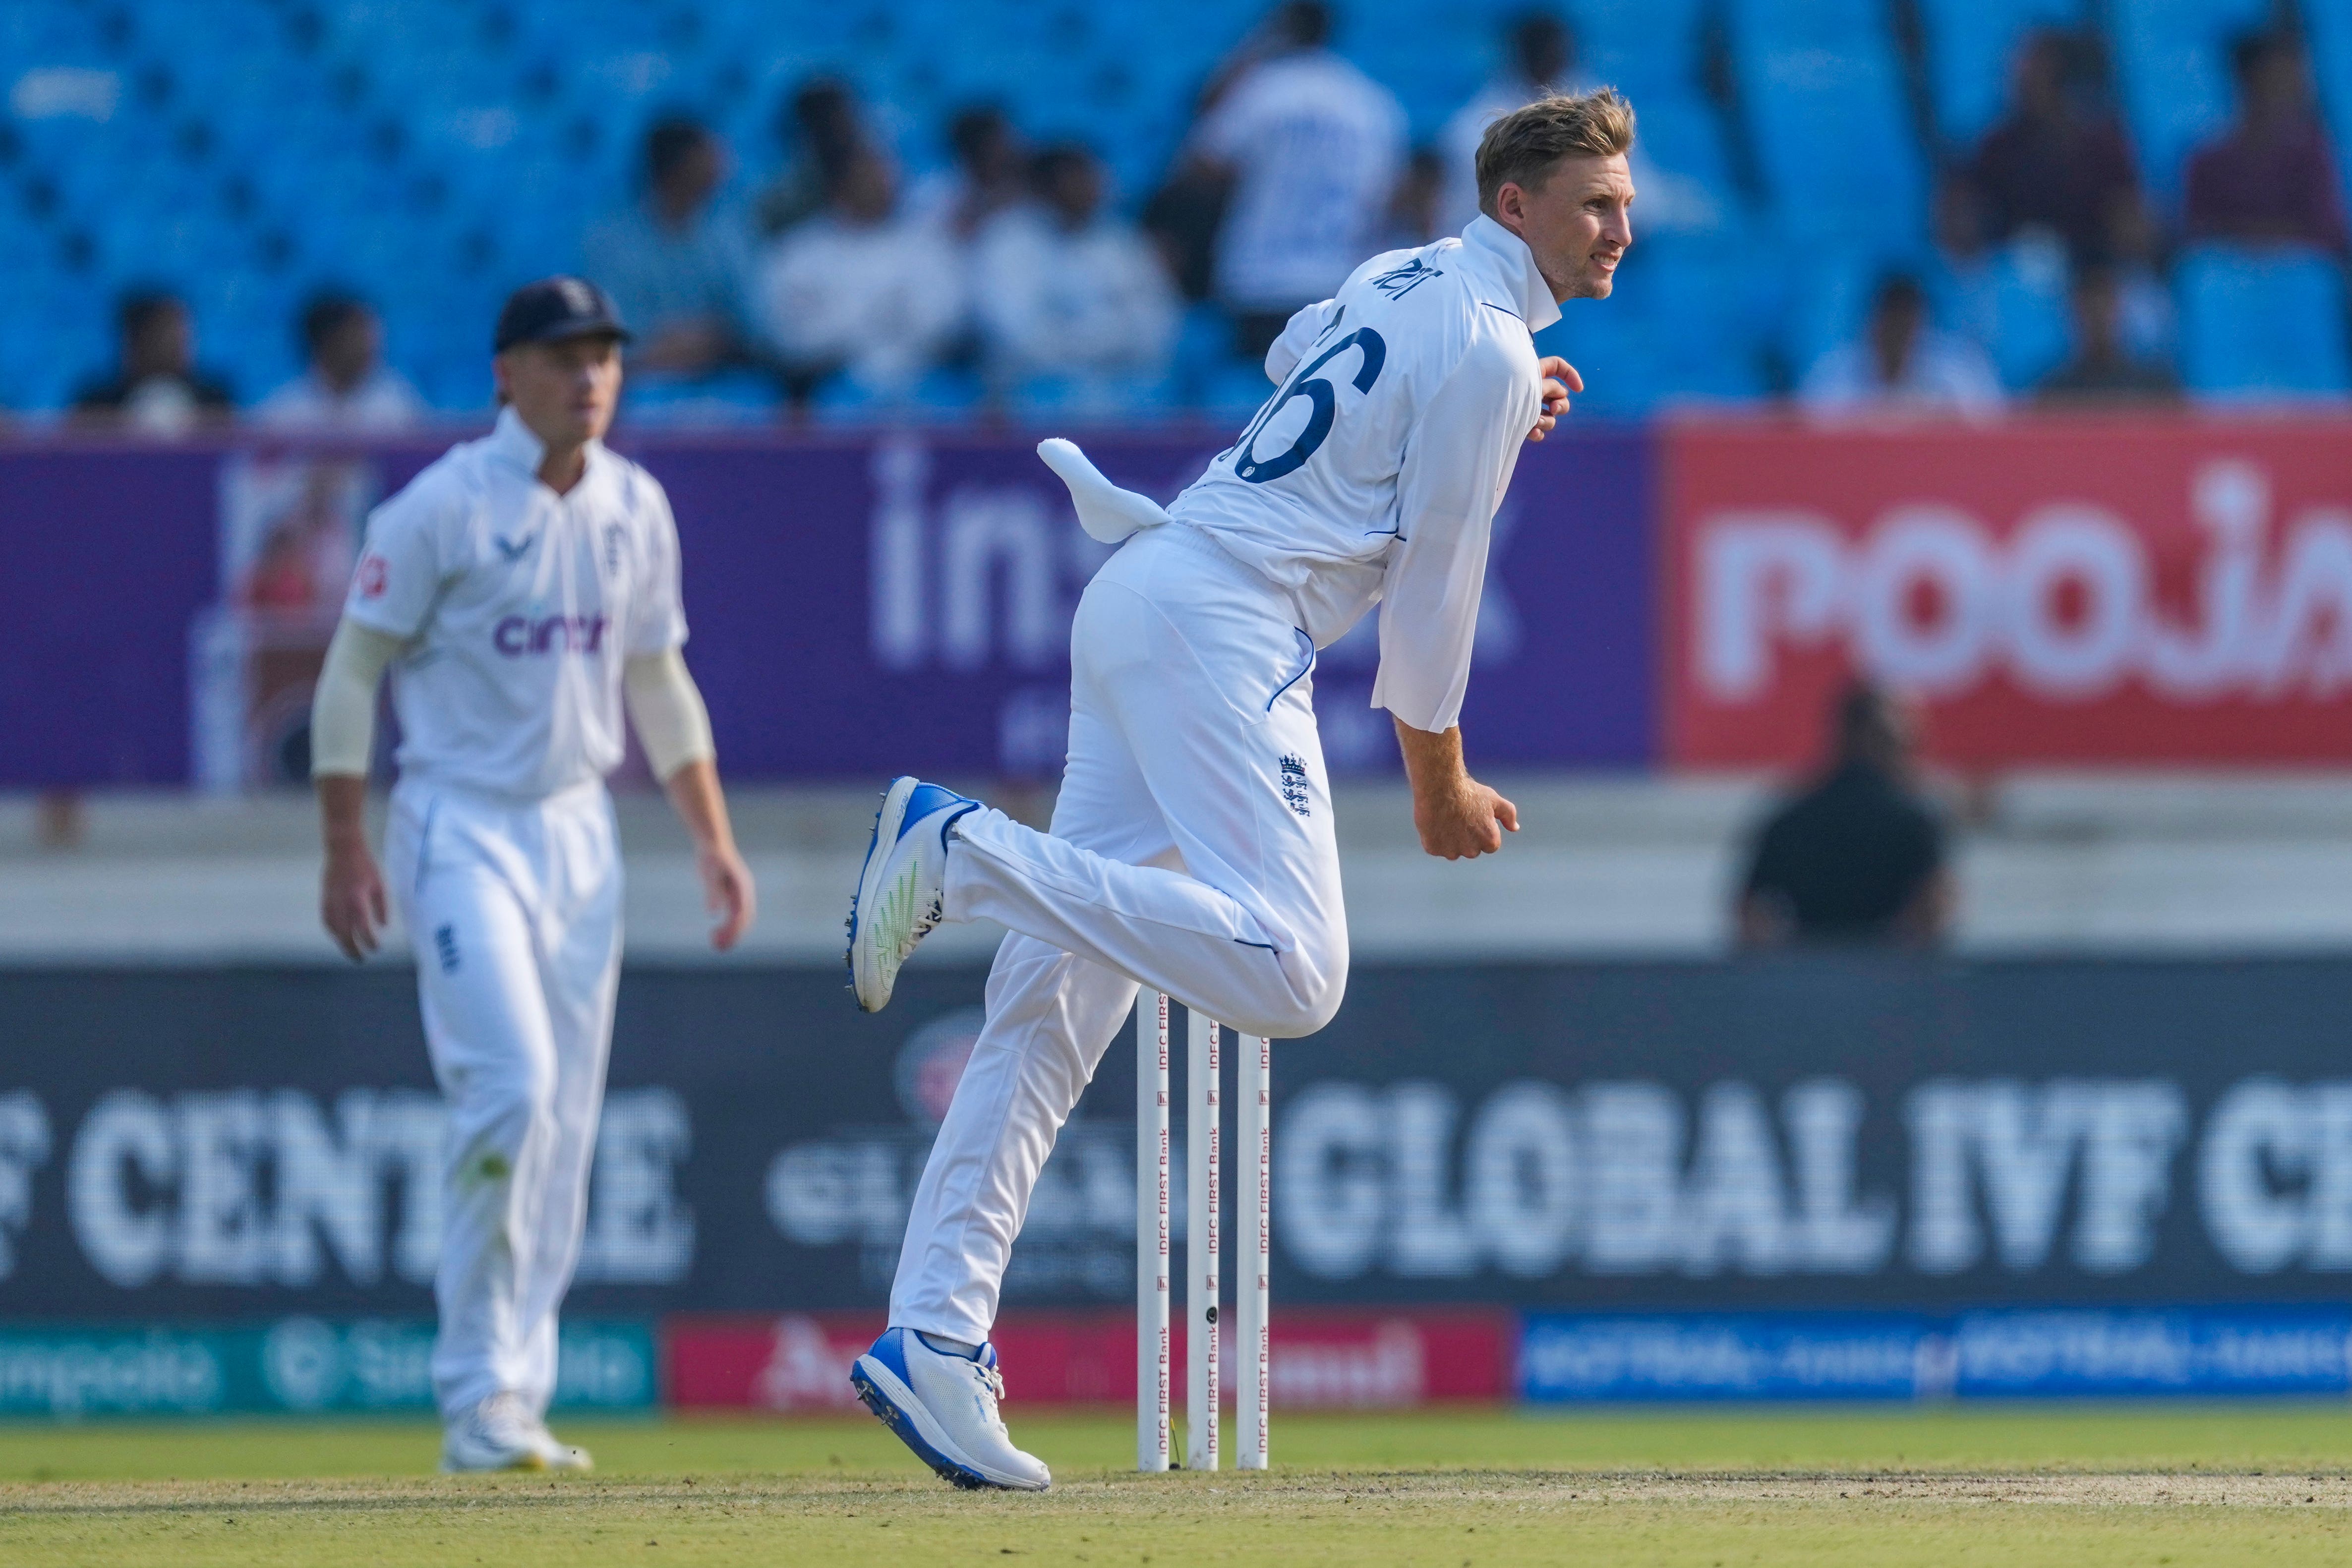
[(1521, 148)]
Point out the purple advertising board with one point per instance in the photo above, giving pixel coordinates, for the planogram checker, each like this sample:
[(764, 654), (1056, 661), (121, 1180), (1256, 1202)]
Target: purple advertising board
[(880, 602)]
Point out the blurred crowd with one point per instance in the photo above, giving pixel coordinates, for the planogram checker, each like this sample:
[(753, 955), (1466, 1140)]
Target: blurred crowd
[(1016, 279), (2052, 188)]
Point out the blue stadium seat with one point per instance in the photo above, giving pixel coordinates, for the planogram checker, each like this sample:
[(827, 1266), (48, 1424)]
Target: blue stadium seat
[(1112, 399), (1232, 391), (1970, 46), (1651, 52), (1824, 106), (2172, 66), (432, 152), (2329, 31), (2263, 324), (743, 398), (2015, 303)]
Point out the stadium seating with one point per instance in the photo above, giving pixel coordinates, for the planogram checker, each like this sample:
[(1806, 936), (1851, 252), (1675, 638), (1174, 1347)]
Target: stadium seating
[(1823, 104), (1970, 46), (1651, 50), (2329, 31), (2263, 324), (434, 152), (2172, 66), (2015, 303)]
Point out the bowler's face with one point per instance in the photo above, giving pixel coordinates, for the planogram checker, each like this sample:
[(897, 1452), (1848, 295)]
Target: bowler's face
[(1578, 222)]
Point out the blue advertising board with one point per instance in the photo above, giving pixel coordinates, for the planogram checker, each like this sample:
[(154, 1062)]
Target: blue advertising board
[(2078, 1352)]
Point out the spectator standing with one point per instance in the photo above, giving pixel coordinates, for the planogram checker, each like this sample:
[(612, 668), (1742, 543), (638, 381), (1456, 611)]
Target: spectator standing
[(819, 127), (2103, 370), (860, 289), (2271, 179), (345, 387), (1902, 364), (992, 175), (1416, 213), (2058, 159), (1539, 57), (1182, 217), (678, 272), (1311, 146), (156, 389), (1859, 857), (1064, 289)]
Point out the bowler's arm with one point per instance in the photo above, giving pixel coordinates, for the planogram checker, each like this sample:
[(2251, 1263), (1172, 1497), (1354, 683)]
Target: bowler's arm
[(1457, 465)]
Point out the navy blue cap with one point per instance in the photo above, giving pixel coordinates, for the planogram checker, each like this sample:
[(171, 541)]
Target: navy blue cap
[(554, 308)]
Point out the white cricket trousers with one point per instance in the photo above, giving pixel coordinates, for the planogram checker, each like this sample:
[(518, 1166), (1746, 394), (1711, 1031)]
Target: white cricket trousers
[(1192, 850), (514, 908)]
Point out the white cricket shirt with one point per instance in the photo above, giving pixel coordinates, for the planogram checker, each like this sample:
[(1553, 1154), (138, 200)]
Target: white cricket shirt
[(1372, 475), (518, 607), (1315, 146)]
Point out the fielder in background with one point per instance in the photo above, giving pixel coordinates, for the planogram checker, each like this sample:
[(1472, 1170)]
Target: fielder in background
[(1192, 848), (521, 591)]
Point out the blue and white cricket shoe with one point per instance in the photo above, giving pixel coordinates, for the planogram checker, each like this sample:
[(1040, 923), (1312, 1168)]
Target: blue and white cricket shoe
[(943, 1405), (899, 891)]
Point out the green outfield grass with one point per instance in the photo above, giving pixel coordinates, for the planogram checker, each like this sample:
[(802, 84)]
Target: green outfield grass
[(2079, 1486)]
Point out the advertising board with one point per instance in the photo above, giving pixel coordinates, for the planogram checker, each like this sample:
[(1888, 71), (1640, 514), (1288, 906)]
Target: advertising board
[(2069, 591), (300, 1366), (161, 603), (1998, 1354), (1813, 1133), (1321, 1358)]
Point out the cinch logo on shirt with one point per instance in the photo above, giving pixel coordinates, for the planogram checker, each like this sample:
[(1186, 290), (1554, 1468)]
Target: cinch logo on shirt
[(520, 634)]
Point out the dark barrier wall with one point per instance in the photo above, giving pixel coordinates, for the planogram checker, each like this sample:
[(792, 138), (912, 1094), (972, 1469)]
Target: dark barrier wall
[(929, 576), (1810, 1131)]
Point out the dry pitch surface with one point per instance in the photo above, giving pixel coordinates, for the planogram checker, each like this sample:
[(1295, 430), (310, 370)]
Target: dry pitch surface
[(2002, 1488)]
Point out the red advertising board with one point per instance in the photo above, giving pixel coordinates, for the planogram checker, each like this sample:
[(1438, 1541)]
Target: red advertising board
[(2081, 590), (1322, 1359)]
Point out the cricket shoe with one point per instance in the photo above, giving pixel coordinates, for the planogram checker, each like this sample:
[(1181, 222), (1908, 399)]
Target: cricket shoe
[(559, 1454), (500, 1433), (901, 890), (943, 1406)]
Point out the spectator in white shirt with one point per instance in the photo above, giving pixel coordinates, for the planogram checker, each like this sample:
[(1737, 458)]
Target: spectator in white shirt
[(861, 288), (990, 175), (1312, 147), (1065, 291), (1901, 364), (347, 387), (819, 127)]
